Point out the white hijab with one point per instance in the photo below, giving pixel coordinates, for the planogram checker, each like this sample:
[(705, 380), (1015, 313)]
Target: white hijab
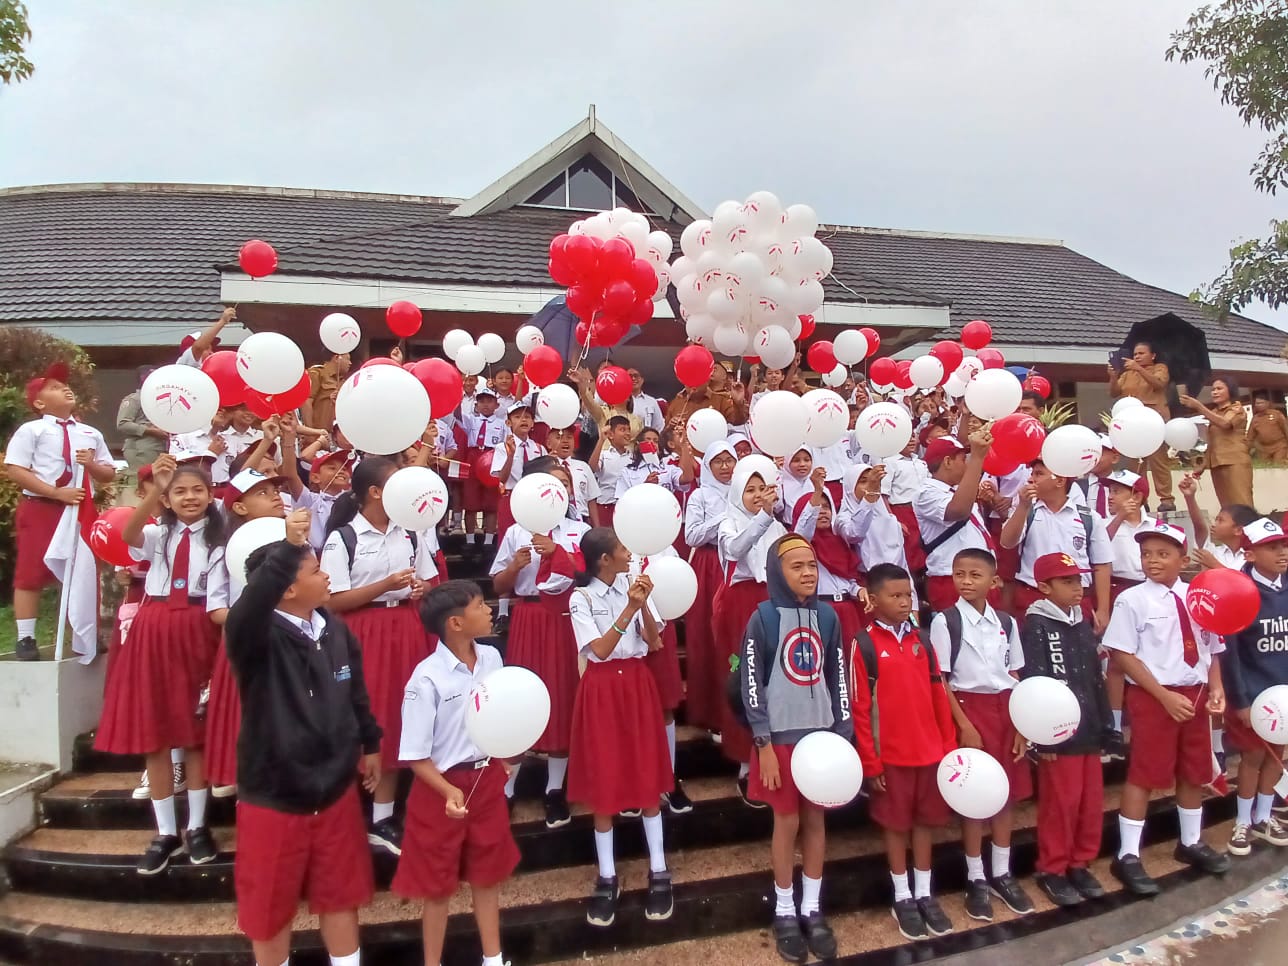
[(737, 517), (709, 481)]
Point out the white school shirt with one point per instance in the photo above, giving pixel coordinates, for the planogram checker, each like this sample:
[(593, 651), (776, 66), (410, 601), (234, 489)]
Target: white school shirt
[(323, 504), (1126, 565), (835, 459), (313, 628), (567, 535), (524, 450), (1144, 622), (1062, 531), (1009, 485), (703, 512), (467, 404), (876, 532), (434, 703), (584, 485), (929, 505), (649, 412), (987, 655), (667, 475), (904, 477), (235, 444), (611, 464), (202, 563), (593, 609), (1233, 559), (376, 555), (485, 432), (503, 403), (38, 446)]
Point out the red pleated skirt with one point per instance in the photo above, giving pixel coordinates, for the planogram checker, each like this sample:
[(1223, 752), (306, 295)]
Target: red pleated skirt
[(619, 758), (734, 606), (504, 518), (223, 722), (150, 701), (849, 613), (912, 547), (542, 641), (704, 696), (664, 665), (393, 642)]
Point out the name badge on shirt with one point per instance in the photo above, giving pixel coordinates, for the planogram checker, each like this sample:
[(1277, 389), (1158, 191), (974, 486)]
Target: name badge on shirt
[(345, 673)]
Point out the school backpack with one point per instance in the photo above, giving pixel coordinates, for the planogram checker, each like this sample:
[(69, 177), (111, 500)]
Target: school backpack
[(768, 611), (1087, 523), (349, 537), (953, 617)]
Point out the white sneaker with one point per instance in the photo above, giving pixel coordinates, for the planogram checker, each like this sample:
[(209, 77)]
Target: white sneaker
[(180, 777), (143, 790)]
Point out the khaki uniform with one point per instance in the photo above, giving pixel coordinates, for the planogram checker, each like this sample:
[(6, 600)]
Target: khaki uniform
[(325, 383), (1268, 434), (140, 447), (1133, 384), (1228, 457)]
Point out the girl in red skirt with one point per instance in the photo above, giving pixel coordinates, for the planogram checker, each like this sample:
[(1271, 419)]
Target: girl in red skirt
[(664, 665), (619, 758), (703, 513), (746, 534), (378, 570), (151, 698), (538, 570)]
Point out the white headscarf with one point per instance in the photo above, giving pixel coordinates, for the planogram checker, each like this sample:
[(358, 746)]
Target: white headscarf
[(708, 481), (738, 519)]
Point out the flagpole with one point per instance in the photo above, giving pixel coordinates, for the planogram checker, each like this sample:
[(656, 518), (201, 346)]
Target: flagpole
[(64, 600)]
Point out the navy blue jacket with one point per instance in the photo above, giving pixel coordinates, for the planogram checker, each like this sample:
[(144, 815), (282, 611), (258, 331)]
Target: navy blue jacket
[(1257, 658)]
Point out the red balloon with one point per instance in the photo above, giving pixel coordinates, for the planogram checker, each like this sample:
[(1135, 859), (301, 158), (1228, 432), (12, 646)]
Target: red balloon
[(820, 357), (874, 340), (584, 300), (615, 257), (543, 364), (903, 374), (557, 245), (404, 318), (221, 367), (976, 334), (378, 361), (106, 536), (610, 332), (642, 277), (1223, 601), (261, 404), (752, 360), (619, 297), (1018, 437), (257, 258), (997, 463), (639, 313), (883, 371), (613, 385), (949, 353), (442, 381), (581, 252), (582, 333), (296, 396), (991, 358), (693, 366), (560, 271), (807, 325), (482, 468), (1038, 384)]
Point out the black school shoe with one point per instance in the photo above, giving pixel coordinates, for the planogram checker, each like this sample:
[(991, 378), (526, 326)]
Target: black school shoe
[(386, 834), (911, 924), (659, 903), (158, 855), (743, 784), (1203, 857), (979, 901), (789, 940), (676, 801), (937, 921), (818, 935), (201, 845), (1133, 876), (557, 814), (1058, 889), (603, 902), (1009, 890), (26, 650), (1086, 883)]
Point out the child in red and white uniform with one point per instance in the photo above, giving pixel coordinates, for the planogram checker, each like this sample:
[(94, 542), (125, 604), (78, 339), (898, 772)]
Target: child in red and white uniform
[(795, 481), (562, 443), (619, 756), (612, 453), (42, 459), (503, 382), (329, 479), (1090, 491), (1172, 684), (904, 477), (458, 826), (947, 514), (538, 570), (865, 520), (484, 429), (150, 703), (647, 465), (1221, 544), (509, 459), (375, 590), (1128, 493)]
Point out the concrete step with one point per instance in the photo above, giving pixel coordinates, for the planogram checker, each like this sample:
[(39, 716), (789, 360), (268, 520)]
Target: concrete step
[(20, 788)]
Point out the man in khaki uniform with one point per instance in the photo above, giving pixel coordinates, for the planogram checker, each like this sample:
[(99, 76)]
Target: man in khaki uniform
[(1145, 378), (325, 380), (1268, 432)]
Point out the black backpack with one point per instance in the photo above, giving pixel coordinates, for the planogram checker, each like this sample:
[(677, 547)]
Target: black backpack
[(349, 537), (768, 611), (954, 619)]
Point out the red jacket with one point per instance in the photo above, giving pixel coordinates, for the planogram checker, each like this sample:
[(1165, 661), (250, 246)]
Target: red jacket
[(906, 720)]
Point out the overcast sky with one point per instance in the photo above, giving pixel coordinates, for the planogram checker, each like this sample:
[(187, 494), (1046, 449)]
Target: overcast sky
[(1056, 120)]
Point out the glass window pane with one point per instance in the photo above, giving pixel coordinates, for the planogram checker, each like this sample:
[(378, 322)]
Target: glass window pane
[(590, 185), (552, 195), (625, 197)]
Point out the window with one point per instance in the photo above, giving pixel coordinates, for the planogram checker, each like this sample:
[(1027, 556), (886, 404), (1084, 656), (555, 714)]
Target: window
[(586, 184), (553, 195)]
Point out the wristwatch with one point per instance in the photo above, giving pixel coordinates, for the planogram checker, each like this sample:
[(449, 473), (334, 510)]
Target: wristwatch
[(760, 741)]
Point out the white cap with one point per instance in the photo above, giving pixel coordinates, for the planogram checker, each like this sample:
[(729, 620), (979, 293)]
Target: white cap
[(516, 406), (1130, 480), (187, 456), (1263, 530), (1107, 443), (1162, 529), (247, 480)]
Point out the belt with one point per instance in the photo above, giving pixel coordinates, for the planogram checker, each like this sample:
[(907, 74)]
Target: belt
[(384, 604), (192, 601), (535, 599), (835, 598), (43, 499), (476, 765)]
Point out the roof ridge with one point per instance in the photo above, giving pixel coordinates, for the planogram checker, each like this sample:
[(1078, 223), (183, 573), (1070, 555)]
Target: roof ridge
[(184, 188), (945, 235)]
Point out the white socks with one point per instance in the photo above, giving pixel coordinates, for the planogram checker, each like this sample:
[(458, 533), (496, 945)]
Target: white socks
[(670, 743), (1191, 824), (653, 834), (503, 607), (556, 769), (514, 777), (353, 959), (163, 808), (381, 811), (744, 769), (488, 539), (469, 539), (901, 890), (176, 756), (1218, 740), (197, 798), (810, 889), (784, 901), (921, 883), (1129, 834), (975, 868), (1118, 719), (1243, 809), (1262, 811), (1001, 861), (493, 960), (26, 628), (604, 852)]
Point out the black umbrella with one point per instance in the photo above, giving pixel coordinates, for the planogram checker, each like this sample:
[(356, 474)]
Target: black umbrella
[(558, 324), (1180, 344)]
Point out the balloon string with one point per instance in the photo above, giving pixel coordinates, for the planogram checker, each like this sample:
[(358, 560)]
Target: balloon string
[(477, 778)]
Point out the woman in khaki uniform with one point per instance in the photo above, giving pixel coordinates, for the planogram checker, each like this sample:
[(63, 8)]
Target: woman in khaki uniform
[(1268, 432), (1145, 378), (1227, 454)]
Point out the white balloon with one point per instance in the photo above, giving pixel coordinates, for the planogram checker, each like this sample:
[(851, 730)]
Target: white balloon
[(340, 333), (799, 221), (701, 328), (1124, 404), (994, 393), (710, 269), (774, 346), (778, 422), (493, 347), (1137, 432), (730, 339), (663, 281), (955, 387), (805, 297), (1181, 434), (1044, 710), (600, 226), (248, 538), (696, 237), (179, 399), (883, 429), (973, 783), (382, 409), (815, 258), (828, 417), (968, 370), (793, 327), (647, 519), (415, 498), (1269, 714), (507, 712), (825, 767), (528, 338), (836, 377), (850, 347), (659, 242), (705, 427), (538, 502), (729, 229), (270, 362), (675, 586), (682, 266), (723, 306), (470, 359), (637, 235), (763, 211), (927, 372), (1071, 451), (748, 268), (454, 340), (558, 406)]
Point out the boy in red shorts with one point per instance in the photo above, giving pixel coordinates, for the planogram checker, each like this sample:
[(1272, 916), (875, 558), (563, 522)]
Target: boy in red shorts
[(458, 824), (1173, 683), (894, 671), (306, 728), (793, 683)]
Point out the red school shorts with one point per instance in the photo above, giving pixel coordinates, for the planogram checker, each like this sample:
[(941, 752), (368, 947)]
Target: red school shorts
[(991, 716), (439, 852), (1241, 737), (283, 857), (1164, 751), (911, 798), (34, 524), (786, 799)]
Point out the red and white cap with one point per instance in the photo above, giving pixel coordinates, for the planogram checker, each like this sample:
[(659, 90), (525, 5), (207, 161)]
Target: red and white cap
[(1107, 443), (188, 456), (1160, 528), (244, 482), (1263, 531), (1133, 481), (58, 372), (942, 448)]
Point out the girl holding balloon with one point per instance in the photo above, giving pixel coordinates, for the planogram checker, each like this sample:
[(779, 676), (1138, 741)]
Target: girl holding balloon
[(648, 465)]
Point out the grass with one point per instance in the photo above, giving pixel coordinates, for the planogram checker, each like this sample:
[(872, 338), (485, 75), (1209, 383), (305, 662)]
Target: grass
[(46, 622)]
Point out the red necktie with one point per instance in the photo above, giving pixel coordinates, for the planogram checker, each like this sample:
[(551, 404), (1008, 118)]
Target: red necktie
[(66, 478), (1187, 631), (478, 443), (179, 573), (988, 537), (525, 453), (1102, 493)]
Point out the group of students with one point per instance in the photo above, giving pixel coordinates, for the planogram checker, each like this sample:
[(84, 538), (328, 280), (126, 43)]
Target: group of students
[(817, 573)]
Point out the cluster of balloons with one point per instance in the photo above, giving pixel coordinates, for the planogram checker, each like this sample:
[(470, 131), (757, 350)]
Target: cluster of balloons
[(746, 276), (782, 422), (542, 364), (471, 357), (615, 268), (832, 360)]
